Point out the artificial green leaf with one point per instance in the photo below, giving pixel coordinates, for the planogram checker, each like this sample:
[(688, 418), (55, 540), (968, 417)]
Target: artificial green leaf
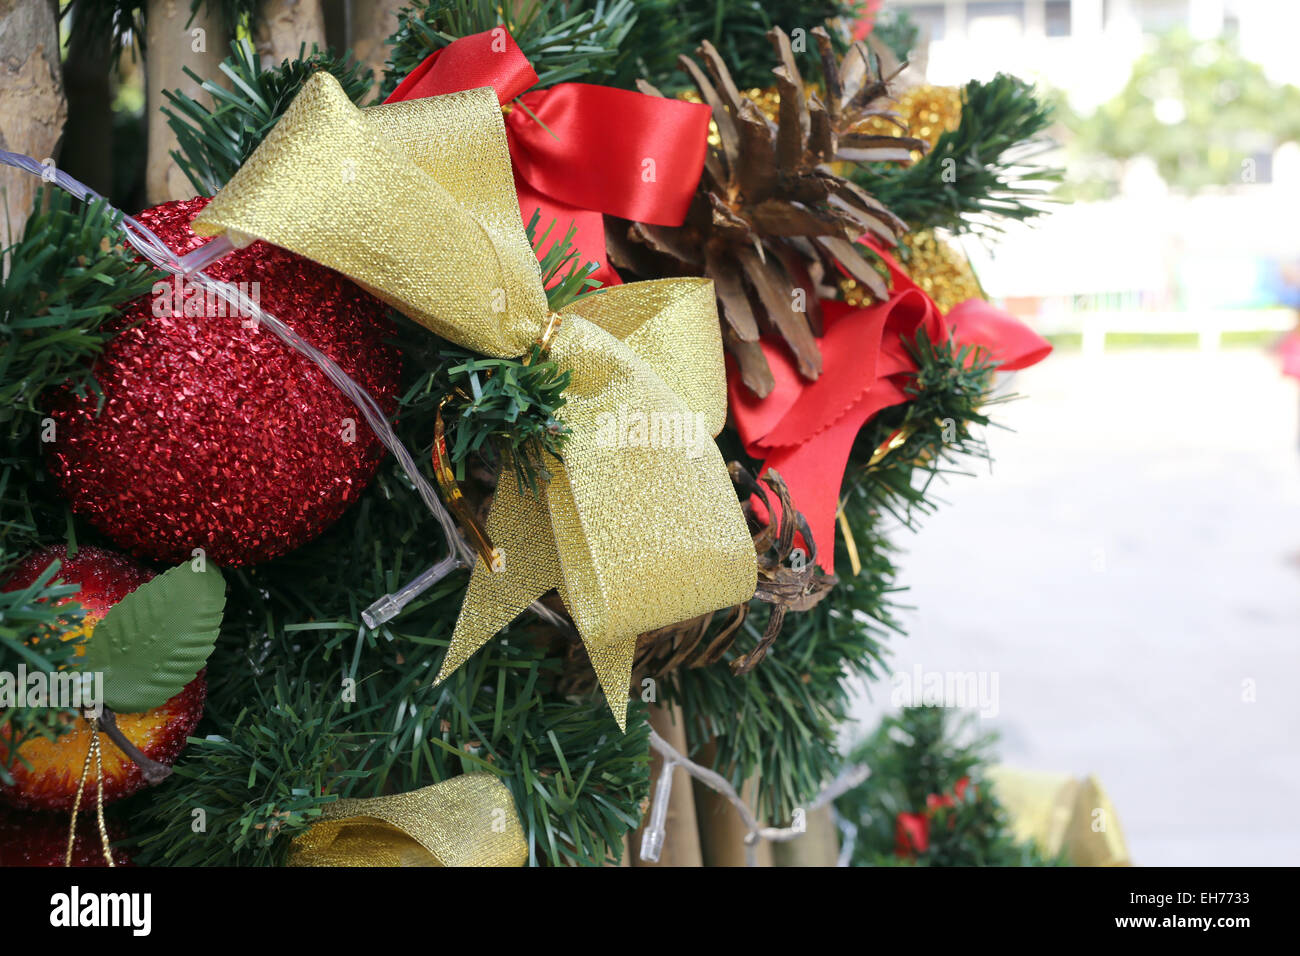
[(153, 641)]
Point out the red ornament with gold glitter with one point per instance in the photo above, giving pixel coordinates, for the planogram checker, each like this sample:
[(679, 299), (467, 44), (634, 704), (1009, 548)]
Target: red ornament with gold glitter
[(46, 772), (214, 434)]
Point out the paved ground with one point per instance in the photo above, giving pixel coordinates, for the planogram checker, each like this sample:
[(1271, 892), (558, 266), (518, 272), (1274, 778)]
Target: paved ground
[(1130, 572)]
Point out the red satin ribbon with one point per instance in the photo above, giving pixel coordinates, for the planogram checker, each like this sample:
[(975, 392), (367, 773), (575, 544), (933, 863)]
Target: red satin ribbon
[(805, 430), (607, 152)]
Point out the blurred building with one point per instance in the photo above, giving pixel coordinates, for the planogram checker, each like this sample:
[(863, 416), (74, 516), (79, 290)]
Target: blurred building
[(1149, 260), (1087, 47)]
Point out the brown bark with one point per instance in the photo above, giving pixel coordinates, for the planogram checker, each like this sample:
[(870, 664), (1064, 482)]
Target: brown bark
[(373, 22), (284, 26), (681, 834), (32, 106), (173, 42), (722, 832), (819, 845)]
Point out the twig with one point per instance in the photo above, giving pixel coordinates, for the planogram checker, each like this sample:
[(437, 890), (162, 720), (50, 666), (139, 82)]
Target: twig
[(152, 770)]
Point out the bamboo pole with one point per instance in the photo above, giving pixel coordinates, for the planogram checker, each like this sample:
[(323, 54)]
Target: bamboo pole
[(819, 845), (681, 832), (722, 832)]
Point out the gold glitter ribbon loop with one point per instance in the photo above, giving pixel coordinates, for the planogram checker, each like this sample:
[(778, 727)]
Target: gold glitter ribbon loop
[(465, 821), (1063, 815), (639, 526)]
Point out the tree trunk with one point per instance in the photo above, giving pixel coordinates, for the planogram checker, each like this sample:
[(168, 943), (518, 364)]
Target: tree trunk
[(373, 22), (681, 834), (172, 44), (285, 26), (32, 107)]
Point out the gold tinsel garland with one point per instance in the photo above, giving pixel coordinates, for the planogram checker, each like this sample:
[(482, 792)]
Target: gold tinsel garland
[(939, 268), (768, 102), (928, 111)]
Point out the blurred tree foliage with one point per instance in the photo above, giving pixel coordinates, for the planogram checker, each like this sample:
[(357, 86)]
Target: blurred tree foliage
[(1199, 109)]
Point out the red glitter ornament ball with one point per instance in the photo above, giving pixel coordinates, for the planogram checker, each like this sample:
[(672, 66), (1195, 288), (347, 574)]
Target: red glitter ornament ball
[(214, 434)]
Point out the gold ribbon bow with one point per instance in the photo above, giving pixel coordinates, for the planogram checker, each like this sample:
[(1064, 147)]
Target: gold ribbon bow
[(465, 821), (638, 527)]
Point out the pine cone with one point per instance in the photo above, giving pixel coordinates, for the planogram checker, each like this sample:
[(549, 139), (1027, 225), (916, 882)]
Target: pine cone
[(771, 218)]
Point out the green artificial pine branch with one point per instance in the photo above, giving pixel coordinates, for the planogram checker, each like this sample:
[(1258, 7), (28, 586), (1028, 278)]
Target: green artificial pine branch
[(565, 40), (66, 277), (34, 624), (505, 404), (979, 174), (652, 46), (384, 726), (920, 752), (214, 141), (252, 798), (950, 394), (362, 717)]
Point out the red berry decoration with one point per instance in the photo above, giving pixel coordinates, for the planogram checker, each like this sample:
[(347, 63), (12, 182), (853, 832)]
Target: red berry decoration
[(41, 839), (217, 435), (46, 772)]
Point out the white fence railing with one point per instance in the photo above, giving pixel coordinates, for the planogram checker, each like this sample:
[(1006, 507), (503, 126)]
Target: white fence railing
[(1209, 325)]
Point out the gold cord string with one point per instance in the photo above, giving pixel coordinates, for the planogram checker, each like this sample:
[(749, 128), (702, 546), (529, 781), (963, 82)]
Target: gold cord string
[(93, 752), (553, 321)]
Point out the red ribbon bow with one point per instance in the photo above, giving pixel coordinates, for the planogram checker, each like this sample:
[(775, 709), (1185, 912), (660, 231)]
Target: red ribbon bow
[(912, 830), (608, 151), (805, 430)]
